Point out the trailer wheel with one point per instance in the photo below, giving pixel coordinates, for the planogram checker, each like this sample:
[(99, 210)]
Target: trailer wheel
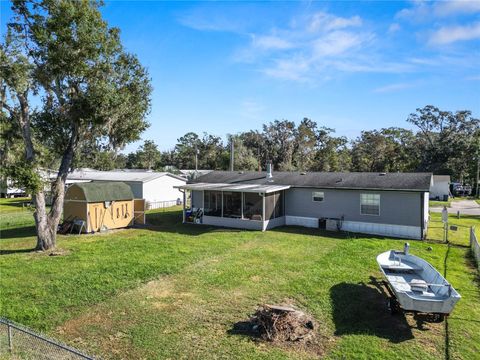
[(393, 306), (438, 318)]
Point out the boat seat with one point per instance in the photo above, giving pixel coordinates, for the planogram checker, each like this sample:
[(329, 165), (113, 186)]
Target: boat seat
[(401, 266), (418, 285)]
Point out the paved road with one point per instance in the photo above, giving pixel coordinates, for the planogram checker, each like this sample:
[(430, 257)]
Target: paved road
[(467, 207)]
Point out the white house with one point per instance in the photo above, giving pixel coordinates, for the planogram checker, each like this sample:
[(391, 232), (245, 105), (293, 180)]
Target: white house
[(152, 186), (440, 187)]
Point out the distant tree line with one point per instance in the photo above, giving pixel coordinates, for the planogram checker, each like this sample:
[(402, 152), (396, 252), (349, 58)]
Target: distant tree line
[(444, 142)]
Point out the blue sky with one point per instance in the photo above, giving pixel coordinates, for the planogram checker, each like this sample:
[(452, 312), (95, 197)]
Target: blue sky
[(226, 67)]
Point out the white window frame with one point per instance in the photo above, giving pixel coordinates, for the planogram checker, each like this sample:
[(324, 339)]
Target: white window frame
[(316, 192), (379, 202)]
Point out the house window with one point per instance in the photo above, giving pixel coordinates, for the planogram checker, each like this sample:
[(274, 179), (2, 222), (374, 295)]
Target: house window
[(370, 204), (318, 196)]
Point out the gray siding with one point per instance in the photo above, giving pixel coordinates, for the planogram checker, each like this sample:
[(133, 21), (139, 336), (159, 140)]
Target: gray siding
[(197, 199), (396, 207)]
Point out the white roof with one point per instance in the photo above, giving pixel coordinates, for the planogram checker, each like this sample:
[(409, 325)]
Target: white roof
[(251, 188), (137, 176), (441, 178)]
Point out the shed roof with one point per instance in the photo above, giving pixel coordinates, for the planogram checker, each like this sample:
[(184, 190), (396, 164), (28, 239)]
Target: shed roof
[(105, 191), (336, 180)]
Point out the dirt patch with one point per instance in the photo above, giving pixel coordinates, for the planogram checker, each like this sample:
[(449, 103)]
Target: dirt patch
[(283, 326), (59, 252)]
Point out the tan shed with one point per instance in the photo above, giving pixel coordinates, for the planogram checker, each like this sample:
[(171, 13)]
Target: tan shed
[(102, 205)]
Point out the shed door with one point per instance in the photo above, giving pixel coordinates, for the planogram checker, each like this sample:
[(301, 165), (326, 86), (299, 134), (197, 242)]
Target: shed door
[(139, 211)]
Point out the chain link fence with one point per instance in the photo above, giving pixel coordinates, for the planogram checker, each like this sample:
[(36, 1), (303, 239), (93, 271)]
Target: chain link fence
[(19, 342), (475, 246)]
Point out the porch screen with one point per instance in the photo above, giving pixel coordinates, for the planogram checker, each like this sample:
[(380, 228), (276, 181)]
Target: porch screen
[(212, 203), (252, 206), (274, 205), (232, 204)]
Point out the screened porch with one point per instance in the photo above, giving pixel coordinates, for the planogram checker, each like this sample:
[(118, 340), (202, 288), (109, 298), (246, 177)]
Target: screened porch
[(243, 206)]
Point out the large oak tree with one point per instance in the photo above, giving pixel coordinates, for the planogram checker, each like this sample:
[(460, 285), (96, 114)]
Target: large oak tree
[(66, 83)]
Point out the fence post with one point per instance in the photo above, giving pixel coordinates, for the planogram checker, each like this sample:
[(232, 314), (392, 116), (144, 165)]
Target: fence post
[(9, 335)]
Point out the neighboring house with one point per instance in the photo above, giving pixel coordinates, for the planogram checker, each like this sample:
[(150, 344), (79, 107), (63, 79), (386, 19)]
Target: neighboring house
[(191, 174), (440, 189), (149, 185), (389, 204), (8, 190)]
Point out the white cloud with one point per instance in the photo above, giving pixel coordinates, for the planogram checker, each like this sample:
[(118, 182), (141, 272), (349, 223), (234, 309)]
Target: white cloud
[(308, 47), (394, 28), (322, 21), (295, 68), (393, 88), (452, 7), (269, 42), (336, 43), (424, 10), (451, 34)]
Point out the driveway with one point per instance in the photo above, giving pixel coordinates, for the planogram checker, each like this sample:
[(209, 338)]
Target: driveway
[(466, 207)]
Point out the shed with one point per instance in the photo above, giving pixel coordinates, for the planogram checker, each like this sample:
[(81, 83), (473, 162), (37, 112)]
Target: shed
[(102, 205)]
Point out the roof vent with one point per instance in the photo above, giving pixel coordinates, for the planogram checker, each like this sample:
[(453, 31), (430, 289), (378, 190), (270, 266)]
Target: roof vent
[(383, 174), (269, 170)]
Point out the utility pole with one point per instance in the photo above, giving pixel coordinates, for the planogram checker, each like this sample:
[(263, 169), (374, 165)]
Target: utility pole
[(231, 153), (196, 158)]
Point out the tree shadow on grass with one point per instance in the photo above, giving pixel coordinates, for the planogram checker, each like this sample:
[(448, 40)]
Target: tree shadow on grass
[(16, 233), (16, 251), (361, 309)]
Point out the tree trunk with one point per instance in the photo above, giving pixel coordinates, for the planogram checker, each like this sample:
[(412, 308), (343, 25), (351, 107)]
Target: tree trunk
[(46, 233)]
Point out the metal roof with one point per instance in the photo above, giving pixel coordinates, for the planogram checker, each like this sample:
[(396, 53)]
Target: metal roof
[(137, 176), (104, 191), (250, 188), (334, 180), (441, 178)]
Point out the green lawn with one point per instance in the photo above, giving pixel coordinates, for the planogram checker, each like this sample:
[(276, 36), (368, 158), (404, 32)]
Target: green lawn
[(435, 203), (176, 291)]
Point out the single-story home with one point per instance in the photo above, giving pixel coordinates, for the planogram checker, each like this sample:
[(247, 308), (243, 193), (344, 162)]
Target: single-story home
[(154, 187), (9, 190), (440, 189), (389, 204)]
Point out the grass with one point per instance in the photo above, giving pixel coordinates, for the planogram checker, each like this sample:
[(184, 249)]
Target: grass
[(176, 291), (435, 203), (14, 205)]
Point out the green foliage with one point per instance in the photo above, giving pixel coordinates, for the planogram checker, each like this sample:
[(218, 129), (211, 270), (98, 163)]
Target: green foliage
[(94, 95)]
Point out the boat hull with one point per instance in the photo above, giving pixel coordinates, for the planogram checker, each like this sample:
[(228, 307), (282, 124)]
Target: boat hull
[(417, 285)]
